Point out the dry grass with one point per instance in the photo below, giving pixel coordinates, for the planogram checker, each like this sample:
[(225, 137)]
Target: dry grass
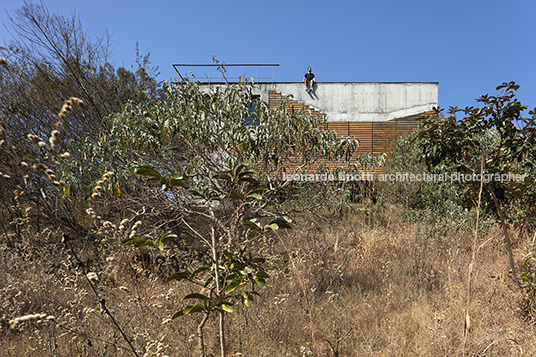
[(394, 289)]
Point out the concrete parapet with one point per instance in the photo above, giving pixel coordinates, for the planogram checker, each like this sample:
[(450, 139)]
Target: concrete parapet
[(357, 101), (360, 101)]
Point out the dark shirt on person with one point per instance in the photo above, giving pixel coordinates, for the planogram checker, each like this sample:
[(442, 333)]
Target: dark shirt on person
[(309, 76)]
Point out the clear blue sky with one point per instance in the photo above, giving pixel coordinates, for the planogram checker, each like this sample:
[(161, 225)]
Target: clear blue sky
[(468, 46)]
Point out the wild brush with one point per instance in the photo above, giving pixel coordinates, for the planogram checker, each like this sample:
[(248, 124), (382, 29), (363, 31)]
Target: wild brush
[(14, 323)]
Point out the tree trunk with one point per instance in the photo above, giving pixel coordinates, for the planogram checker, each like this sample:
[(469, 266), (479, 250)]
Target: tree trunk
[(200, 341), (222, 334), (505, 231), (218, 286)]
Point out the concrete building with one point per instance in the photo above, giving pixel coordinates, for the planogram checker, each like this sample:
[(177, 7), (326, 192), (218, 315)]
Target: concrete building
[(374, 113), (360, 101)]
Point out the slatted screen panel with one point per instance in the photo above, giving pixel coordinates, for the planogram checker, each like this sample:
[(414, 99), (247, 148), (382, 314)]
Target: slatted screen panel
[(374, 137)]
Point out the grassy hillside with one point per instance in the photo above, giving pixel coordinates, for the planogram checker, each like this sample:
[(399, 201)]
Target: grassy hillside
[(389, 289)]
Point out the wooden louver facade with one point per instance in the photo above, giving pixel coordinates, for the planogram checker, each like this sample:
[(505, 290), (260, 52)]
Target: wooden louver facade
[(375, 137)]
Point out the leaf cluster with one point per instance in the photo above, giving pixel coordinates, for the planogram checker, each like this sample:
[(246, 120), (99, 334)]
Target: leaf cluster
[(235, 273), (209, 127)]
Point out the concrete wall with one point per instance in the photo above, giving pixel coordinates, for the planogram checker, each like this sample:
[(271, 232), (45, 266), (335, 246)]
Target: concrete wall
[(354, 101), (359, 101)]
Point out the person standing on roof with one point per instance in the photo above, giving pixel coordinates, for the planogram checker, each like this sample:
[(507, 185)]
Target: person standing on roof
[(309, 80)]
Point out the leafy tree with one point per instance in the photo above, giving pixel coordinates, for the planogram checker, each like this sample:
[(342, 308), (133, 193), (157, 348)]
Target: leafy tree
[(207, 128), (203, 139), (489, 143), (222, 200)]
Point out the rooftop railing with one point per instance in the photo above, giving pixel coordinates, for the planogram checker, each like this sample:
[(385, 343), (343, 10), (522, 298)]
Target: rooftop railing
[(226, 72)]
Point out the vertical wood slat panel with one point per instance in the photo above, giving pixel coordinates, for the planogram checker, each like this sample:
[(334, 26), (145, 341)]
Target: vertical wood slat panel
[(374, 137)]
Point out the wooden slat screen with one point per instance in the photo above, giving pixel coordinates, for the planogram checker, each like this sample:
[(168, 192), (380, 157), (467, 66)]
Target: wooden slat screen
[(374, 137)]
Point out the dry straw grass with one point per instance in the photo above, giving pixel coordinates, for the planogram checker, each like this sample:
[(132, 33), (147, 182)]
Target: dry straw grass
[(383, 291)]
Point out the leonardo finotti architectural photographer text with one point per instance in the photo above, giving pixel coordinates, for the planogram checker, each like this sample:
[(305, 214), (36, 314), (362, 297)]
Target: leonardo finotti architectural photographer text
[(405, 177)]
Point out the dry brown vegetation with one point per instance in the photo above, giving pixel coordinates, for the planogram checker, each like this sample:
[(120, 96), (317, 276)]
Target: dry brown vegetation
[(389, 289)]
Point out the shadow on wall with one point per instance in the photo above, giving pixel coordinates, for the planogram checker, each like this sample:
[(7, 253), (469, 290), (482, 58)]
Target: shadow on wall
[(312, 93)]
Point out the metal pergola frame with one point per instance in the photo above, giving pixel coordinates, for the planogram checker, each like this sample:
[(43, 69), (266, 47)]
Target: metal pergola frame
[(242, 66)]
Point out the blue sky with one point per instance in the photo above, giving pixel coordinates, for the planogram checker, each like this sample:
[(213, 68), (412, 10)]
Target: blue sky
[(468, 46)]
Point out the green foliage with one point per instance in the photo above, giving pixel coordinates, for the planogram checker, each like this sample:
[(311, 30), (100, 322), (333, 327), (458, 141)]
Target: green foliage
[(423, 199), (235, 272), (529, 275), (230, 276), (492, 140), (169, 182), (158, 244), (279, 222), (463, 146), (209, 127)]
